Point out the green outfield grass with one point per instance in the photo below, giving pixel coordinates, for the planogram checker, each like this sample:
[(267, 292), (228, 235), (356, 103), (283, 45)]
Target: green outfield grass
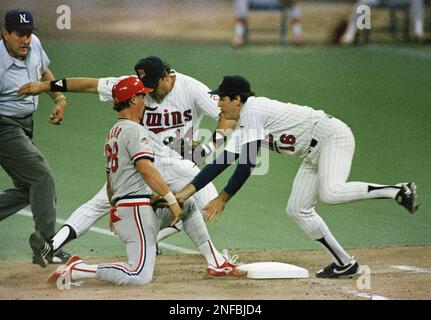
[(380, 91)]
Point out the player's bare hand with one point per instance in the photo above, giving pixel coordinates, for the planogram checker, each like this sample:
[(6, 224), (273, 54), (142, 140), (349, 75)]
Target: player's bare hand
[(178, 213), (214, 209), (185, 193), (57, 113), (33, 88)]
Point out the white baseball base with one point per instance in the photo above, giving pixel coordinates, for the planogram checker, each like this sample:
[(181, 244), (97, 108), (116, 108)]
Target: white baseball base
[(273, 270)]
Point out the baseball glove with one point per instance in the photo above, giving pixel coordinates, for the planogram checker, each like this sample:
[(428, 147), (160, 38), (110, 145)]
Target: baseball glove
[(158, 202)]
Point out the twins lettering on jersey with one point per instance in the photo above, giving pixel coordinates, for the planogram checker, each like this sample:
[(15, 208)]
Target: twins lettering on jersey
[(159, 122)]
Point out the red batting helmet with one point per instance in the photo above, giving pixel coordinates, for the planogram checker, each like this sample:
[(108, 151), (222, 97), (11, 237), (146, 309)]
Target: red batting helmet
[(126, 88)]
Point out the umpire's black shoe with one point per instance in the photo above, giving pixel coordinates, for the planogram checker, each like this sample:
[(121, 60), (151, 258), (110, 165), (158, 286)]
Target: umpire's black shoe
[(407, 197), (43, 252), (335, 271), (42, 249)]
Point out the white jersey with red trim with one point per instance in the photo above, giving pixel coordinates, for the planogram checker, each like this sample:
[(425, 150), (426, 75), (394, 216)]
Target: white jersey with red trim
[(283, 127), (126, 143), (176, 115)]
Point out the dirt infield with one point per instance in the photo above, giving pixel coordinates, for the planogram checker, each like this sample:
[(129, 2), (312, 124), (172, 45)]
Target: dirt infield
[(396, 273)]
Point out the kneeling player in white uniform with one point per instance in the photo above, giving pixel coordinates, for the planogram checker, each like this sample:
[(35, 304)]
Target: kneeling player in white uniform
[(327, 145), (174, 110), (131, 179)]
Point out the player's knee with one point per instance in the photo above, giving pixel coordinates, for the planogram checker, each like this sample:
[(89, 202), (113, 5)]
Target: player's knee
[(138, 280), (292, 210), (329, 195), (189, 206), (144, 280)]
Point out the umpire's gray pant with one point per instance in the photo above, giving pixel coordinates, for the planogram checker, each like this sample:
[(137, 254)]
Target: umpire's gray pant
[(30, 173)]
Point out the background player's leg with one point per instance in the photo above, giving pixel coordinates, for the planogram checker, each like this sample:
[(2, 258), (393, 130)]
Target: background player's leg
[(417, 18), (294, 16), (241, 16), (349, 36)]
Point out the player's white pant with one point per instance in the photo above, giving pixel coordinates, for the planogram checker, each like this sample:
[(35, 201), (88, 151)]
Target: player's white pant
[(241, 7), (323, 174), (137, 227), (176, 172)]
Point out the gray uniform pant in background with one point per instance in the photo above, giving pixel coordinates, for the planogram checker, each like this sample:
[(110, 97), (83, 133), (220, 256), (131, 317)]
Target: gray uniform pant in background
[(30, 173)]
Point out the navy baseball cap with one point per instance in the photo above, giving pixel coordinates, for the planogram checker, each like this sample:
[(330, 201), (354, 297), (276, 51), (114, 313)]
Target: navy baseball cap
[(18, 20), (232, 85), (150, 70)]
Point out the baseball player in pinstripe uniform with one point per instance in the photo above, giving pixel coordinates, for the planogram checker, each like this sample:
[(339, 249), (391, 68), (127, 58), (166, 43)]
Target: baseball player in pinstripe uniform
[(174, 108), (131, 179), (327, 145)]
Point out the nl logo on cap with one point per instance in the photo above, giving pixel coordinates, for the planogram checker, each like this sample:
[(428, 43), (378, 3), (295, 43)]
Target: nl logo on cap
[(23, 18), (141, 73)]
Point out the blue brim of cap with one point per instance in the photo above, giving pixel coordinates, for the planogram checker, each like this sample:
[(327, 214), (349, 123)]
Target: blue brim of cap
[(150, 83), (215, 91), (31, 29)]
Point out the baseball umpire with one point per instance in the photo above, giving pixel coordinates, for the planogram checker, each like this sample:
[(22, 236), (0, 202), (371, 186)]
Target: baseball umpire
[(22, 60)]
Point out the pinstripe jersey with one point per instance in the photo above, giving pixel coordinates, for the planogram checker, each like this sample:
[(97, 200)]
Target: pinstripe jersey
[(176, 115), (126, 143), (283, 127)]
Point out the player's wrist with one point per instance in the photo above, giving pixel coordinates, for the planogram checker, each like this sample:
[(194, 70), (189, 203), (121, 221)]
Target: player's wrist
[(60, 98), (170, 198), (224, 196)]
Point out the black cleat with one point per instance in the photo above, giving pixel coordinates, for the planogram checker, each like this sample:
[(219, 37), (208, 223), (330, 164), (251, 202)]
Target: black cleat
[(59, 257), (43, 252), (335, 271), (407, 197), (42, 249)]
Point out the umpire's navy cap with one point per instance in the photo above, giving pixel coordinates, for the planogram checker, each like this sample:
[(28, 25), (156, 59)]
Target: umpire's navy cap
[(232, 85), (18, 20), (150, 70)]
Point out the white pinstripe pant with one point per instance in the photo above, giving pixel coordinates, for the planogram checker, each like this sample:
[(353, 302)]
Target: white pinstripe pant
[(323, 174)]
